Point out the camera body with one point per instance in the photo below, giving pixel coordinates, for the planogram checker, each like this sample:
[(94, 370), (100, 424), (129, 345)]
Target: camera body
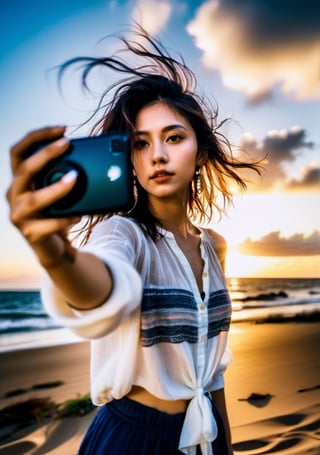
[(105, 180)]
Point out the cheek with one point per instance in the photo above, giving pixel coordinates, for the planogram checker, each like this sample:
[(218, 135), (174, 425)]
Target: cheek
[(190, 148), (138, 166), (138, 157)]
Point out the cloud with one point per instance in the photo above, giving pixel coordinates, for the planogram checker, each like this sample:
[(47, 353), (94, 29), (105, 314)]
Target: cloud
[(257, 45), (283, 147), (274, 245), (309, 180), (153, 15)]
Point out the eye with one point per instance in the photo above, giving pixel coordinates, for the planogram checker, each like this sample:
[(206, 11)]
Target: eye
[(174, 138), (140, 144)]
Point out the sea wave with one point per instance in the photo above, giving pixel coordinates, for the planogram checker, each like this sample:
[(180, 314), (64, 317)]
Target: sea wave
[(27, 325), (21, 315), (276, 302)]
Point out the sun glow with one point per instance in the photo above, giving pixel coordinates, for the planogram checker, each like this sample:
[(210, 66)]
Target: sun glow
[(239, 265)]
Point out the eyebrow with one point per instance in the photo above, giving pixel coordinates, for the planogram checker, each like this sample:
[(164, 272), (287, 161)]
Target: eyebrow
[(164, 130)]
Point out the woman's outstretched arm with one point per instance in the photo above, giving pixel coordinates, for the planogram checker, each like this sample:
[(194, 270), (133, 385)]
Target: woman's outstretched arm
[(82, 278)]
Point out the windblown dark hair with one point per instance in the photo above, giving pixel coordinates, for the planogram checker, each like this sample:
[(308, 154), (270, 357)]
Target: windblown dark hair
[(160, 77)]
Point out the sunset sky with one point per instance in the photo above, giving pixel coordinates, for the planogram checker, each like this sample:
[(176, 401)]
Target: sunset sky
[(260, 60)]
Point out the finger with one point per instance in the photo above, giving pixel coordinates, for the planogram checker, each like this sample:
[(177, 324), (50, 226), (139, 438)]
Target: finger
[(29, 167), (30, 141), (30, 204), (38, 231)]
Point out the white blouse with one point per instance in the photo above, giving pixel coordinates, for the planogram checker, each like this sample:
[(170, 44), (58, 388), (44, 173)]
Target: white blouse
[(155, 330)]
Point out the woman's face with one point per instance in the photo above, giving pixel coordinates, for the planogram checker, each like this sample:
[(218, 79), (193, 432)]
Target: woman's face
[(164, 152)]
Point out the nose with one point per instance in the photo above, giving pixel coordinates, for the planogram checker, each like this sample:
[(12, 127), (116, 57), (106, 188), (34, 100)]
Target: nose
[(159, 153)]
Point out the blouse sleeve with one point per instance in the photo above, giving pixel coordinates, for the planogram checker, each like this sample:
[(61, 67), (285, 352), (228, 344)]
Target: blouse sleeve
[(117, 243)]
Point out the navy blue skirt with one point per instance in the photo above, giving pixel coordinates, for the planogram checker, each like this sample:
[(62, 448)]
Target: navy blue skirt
[(125, 427)]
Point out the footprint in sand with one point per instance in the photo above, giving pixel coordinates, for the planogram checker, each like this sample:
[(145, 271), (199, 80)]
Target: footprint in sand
[(47, 385), (292, 433), (44, 385), (258, 399)]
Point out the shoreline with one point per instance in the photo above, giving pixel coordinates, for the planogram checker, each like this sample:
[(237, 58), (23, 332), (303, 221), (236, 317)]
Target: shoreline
[(285, 313), (50, 337), (44, 338)]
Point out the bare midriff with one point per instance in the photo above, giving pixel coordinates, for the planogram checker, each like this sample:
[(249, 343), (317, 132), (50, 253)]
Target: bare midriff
[(169, 406)]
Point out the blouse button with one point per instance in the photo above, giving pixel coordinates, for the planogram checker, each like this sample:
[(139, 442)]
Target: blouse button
[(202, 307), (204, 275)]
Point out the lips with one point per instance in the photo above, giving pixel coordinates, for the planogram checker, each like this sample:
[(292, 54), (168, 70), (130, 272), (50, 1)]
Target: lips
[(161, 173)]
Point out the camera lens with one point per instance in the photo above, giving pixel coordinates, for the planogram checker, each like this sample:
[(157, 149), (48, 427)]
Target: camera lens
[(55, 176), (54, 173)]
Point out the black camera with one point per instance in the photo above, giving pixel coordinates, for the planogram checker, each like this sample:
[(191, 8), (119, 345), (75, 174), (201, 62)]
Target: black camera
[(104, 182)]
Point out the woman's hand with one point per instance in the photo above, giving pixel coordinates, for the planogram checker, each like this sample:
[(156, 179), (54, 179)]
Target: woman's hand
[(47, 237)]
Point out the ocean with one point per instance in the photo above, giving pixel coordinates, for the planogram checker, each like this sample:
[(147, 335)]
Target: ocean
[(24, 322), (253, 298)]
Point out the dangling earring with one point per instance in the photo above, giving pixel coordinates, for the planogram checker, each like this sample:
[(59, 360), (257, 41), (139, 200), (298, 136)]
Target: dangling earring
[(135, 189), (197, 184), (135, 192)]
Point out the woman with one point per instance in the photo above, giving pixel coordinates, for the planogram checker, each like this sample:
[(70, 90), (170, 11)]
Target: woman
[(148, 286)]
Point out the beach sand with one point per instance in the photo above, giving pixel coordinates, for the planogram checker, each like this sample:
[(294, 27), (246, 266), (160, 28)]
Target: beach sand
[(272, 387), (282, 363)]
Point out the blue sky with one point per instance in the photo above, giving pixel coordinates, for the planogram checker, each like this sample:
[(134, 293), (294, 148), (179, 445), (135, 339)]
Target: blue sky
[(260, 61)]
